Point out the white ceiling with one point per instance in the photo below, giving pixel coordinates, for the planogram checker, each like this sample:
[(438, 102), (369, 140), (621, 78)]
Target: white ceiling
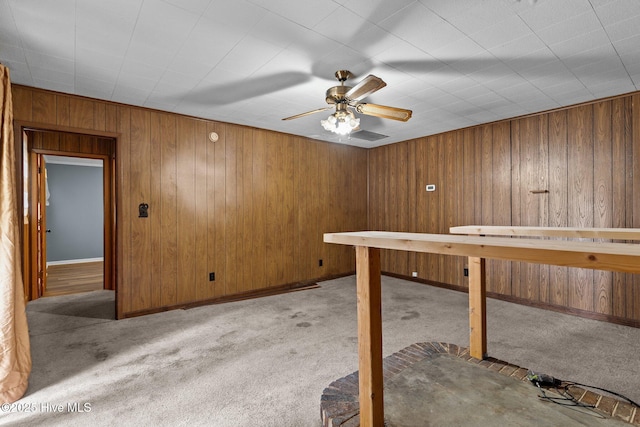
[(253, 62)]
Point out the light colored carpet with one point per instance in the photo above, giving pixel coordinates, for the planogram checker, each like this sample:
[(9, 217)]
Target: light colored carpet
[(265, 362)]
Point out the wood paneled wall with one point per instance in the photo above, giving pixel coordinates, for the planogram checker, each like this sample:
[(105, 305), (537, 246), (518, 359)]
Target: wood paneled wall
[(573, 167), (251, 207)]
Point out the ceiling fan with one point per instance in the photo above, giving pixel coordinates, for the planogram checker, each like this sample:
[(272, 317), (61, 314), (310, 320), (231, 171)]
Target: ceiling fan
[(347, 98)]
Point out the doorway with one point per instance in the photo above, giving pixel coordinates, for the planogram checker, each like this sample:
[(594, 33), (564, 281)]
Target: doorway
[(74, 215), (35, 146)]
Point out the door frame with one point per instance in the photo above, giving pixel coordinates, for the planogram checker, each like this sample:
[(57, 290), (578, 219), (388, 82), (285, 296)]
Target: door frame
[(110, 191), (36, 252)]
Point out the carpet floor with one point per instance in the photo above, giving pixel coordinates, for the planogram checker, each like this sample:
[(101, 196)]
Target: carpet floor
[(265, 362)]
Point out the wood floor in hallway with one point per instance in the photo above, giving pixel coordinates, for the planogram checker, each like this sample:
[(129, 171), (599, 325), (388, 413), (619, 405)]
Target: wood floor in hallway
[(66, 279)]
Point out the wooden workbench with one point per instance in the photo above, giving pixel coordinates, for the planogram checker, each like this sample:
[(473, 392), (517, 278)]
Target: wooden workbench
[(554, 232), (602, 256)]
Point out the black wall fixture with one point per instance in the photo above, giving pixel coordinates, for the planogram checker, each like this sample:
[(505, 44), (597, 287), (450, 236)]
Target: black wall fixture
[(143, 210)]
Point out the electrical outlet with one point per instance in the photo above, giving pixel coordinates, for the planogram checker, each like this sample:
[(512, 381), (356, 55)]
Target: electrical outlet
[(414, 274), (319, 263), (466, 272), (212, 276)]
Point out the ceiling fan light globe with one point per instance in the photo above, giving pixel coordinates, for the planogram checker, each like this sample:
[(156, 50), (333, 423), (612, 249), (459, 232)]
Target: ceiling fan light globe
[(344, 127), (342, 122)]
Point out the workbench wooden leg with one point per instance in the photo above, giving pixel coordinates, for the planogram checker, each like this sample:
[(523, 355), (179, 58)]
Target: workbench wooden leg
[(370, 336), (477, 308)]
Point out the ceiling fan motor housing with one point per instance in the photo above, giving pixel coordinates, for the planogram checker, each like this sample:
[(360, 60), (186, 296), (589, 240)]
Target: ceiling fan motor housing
[(336, 94)]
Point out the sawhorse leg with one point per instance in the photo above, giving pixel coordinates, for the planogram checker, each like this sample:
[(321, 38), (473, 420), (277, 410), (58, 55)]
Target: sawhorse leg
[(369, 295), (477, 308)]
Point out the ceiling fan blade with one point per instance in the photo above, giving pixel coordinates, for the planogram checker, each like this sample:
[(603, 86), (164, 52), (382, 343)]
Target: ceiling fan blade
[(383, 111), (308, 113), (366, 87)]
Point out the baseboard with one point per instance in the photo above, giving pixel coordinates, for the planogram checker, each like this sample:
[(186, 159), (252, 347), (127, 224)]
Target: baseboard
[(258, 293), (427, 282), (537, 304), (276, 290), (74, 261)]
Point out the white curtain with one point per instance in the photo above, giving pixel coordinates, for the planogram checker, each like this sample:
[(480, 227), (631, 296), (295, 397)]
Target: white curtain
[(15, 352)]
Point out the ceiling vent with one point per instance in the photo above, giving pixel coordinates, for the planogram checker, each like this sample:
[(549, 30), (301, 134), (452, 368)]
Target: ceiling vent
[(368, 135)]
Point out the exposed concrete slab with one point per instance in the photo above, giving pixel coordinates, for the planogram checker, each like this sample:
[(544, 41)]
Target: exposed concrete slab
[(439, 384), (444, 390)]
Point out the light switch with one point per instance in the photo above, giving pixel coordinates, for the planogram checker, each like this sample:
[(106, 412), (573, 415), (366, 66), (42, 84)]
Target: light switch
[(431, 187)]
